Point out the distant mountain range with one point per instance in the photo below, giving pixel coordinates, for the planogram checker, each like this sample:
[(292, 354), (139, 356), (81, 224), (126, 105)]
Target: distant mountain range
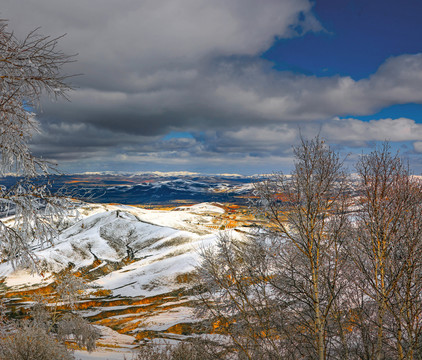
[(152, 188), (168, 191)]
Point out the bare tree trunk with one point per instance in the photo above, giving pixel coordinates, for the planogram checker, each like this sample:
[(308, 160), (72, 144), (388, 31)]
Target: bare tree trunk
[(319, 321)]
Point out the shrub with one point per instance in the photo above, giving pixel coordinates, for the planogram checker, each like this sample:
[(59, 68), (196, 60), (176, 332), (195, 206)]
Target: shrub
[(31, 343)]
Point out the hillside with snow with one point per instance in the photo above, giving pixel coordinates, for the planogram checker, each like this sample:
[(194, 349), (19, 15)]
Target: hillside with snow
[(136, 264)]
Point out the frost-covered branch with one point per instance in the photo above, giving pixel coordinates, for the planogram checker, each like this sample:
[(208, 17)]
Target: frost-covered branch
[(29, 68)]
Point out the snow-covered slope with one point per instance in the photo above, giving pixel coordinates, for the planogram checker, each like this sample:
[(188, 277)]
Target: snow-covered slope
[(141, 258), (111, 233)]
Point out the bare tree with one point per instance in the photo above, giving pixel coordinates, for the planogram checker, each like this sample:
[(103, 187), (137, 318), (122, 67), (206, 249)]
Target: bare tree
[(307, 214), (405, 304), (335, 273), (386, 253), (237, 299), (278, 295), (28, 68), (193, 349)]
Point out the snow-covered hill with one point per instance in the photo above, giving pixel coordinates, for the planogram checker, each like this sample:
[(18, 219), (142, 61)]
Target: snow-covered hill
[(140, 259)]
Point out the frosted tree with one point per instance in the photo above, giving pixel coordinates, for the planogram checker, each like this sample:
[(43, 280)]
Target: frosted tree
[(29, 68)]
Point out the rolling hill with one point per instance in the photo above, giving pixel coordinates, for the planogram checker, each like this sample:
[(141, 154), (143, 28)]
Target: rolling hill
[(136, 263)]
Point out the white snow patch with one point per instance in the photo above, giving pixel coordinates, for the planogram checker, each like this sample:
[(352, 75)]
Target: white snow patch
[(202, 208), (22, 278), (163, 320)]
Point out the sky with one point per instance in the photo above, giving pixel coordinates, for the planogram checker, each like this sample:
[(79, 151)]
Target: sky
[(227, 86)]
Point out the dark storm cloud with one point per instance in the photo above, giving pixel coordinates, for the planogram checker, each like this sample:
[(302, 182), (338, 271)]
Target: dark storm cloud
[(230, 96)]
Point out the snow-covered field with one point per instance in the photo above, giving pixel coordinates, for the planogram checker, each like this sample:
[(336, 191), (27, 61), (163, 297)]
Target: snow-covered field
[(104, 355)]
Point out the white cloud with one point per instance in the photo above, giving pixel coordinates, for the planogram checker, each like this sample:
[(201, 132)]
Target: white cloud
[(275, 96), (417, 146), (353, 130)]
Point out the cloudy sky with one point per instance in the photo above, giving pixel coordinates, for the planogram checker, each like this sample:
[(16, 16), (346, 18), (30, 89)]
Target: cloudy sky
[(220, 86)]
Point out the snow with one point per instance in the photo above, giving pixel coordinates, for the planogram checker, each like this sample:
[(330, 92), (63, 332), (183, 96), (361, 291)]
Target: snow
[(163, 320), (113, 338), (156, 273), (203, 208), (156, 238), (102, 354), (164, 244), (113, 346), (20, 278)]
